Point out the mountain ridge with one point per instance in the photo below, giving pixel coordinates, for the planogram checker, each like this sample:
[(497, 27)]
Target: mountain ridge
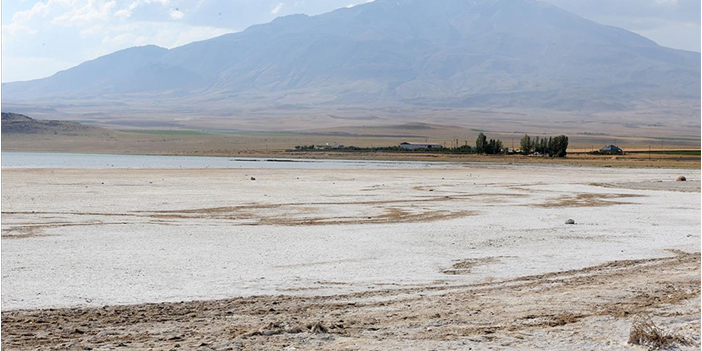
[(448, 53)]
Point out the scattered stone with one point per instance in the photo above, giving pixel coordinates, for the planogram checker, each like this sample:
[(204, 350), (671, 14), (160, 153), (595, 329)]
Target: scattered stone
[(681, 179), (252, 178), (570, 221)]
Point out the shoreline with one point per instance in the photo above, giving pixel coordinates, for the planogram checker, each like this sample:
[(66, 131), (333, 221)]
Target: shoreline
[(634, 160)]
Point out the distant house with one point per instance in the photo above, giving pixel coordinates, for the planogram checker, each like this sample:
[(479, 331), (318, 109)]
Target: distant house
[(611, 150), (418, 146)]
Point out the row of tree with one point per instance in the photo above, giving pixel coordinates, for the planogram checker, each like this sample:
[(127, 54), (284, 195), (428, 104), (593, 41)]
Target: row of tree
[(553, 146), (490, 147)]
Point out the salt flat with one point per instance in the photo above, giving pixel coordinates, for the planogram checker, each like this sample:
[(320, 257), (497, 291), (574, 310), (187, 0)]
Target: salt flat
[(439, 257), (76, 237)]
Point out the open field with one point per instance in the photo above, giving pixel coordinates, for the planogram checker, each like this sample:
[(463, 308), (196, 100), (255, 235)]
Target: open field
[(666, 148), (678, 154), (669, 122), (195, 141), (437, 256)]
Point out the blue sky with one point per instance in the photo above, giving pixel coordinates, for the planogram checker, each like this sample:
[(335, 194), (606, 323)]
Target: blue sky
[(42, 37)]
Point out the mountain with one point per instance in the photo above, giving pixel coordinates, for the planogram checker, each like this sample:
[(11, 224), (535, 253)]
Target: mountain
[(441, 53)]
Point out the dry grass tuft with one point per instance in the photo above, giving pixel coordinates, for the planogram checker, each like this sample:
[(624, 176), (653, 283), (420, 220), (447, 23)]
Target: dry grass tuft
[(317, 328), (646, 333)]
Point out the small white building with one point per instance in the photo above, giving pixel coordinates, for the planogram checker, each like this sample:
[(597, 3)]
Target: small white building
[(420, 146)]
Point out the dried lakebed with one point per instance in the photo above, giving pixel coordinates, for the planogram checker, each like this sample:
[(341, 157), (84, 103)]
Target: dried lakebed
[(452, 256)]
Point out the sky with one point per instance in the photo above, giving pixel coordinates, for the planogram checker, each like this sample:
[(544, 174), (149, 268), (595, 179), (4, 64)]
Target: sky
[(42, 37)]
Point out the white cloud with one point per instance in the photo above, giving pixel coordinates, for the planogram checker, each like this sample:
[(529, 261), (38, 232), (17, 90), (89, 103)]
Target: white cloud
[(39, 9), (123, 13), (92, 12), (176, 14), (127, 12), (277, 8), (354, 4), (58, 34), (14, 29)]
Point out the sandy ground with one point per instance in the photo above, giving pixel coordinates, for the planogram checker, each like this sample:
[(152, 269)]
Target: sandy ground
[(447, 257)]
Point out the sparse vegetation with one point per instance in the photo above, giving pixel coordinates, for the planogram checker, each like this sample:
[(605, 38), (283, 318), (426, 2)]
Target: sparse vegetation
[(646, 333)]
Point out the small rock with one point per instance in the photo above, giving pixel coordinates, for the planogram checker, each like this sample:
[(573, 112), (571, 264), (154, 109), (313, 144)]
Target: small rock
[(681, 179), (252, 178), (570, 221)]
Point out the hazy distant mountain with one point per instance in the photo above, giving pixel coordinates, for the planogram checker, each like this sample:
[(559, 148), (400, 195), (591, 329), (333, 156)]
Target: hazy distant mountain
[(455, 53)]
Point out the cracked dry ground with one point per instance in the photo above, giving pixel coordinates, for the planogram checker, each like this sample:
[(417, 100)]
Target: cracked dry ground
[(589, 308)]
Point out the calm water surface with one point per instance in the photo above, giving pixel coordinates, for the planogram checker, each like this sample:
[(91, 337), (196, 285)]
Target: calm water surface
[(66, 160)]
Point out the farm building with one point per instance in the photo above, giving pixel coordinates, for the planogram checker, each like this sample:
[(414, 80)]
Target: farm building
[(611, 149), (419, 146)]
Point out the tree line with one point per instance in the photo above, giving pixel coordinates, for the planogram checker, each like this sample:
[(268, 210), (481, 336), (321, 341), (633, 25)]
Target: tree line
[(491, 147), (553, 146)]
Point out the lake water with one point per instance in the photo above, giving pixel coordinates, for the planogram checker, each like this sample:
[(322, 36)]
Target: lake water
[(69, 160)]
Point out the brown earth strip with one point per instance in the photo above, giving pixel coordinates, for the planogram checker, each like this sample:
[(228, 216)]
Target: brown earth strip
[(515, 313), (588, 200)]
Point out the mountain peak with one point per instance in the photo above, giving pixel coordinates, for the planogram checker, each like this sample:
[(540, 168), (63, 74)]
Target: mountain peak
[(448, 53)]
